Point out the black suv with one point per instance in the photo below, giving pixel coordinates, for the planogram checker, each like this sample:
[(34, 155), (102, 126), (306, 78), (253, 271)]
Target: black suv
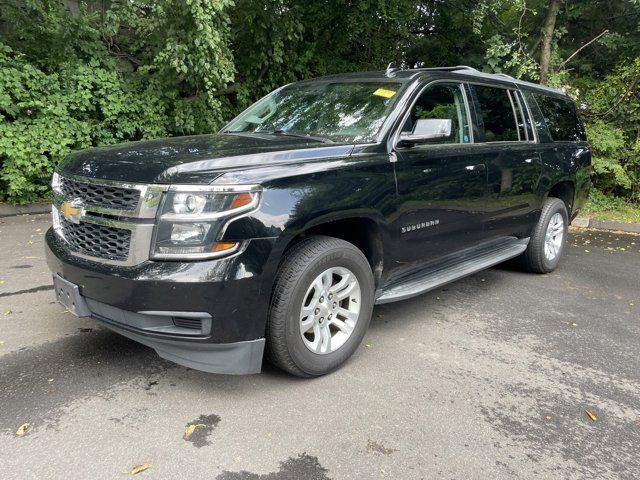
[(324, 198)]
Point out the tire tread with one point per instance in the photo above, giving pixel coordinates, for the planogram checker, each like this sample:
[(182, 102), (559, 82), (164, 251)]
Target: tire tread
[(295, 261)]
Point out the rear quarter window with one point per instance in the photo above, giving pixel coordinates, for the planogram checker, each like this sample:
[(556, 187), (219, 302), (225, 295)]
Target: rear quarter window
[(561, 117), (500, 116)]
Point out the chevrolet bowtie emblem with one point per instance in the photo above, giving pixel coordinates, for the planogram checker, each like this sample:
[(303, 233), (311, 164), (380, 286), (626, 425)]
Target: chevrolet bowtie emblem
[(72, 211)]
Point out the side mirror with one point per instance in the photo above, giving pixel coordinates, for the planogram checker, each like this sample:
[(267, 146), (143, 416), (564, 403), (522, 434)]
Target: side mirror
[(428, 130)]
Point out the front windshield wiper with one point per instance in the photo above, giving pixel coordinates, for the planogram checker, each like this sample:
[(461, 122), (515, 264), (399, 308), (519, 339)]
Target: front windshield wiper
[(288, 133)]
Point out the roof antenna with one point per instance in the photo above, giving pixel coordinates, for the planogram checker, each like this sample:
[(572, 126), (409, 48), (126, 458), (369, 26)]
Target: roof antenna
[(392, 67)]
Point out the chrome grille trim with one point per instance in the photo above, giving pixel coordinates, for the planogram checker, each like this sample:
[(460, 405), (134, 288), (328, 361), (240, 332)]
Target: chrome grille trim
[(146, 207), (97, 240), (101, 196), (139, 220)]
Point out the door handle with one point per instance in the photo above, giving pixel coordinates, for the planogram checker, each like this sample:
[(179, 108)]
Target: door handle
[(475, 168)]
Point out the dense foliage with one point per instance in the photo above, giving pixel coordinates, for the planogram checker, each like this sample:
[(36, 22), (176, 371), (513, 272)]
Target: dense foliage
[(75, 73)]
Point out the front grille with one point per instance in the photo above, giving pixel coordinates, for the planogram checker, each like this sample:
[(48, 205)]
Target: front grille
[(97, 240), (105, 196)]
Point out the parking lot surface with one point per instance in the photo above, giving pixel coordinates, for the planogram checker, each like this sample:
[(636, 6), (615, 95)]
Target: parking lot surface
[(500, 375)]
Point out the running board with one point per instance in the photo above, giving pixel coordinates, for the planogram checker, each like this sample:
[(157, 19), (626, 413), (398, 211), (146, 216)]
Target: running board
[(451, 270)]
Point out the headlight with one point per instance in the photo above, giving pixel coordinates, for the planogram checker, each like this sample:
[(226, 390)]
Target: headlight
[(191, 223)]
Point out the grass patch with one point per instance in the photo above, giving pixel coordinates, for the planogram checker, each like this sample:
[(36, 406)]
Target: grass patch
[(604, 207)]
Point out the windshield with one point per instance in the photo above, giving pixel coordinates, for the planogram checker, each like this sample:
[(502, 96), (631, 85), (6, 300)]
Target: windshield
[(350, 112)]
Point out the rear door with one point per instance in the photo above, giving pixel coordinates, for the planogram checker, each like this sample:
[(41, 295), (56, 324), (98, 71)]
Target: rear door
[(506, 142), (441, 183)]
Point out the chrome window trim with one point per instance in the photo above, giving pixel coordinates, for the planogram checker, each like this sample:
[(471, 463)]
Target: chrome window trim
[(532, 123)]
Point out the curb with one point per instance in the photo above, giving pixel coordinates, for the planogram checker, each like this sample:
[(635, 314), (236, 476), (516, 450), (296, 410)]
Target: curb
[(28, 209), (586, 222)]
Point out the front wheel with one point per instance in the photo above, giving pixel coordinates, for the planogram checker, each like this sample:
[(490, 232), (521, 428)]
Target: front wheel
[(321, 306), (549, 237)]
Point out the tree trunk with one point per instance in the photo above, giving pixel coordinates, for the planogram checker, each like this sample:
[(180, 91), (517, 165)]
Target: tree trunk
[(547, 38)]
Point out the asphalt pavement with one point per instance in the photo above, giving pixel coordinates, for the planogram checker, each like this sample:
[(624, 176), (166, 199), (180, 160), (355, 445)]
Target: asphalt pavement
[(502, 375)]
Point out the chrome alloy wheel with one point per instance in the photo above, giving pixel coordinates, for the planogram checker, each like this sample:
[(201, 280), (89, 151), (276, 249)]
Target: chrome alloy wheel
[(554, 237), (330, 310)]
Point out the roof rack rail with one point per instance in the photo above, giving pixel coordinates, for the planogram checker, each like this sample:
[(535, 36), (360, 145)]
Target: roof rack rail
[(445, 69), (392, 67)]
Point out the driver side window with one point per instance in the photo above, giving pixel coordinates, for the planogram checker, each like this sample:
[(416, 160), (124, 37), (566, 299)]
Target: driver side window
[(439, 115)]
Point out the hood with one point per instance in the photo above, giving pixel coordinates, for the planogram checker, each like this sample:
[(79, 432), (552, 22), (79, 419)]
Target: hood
[(194, 159)]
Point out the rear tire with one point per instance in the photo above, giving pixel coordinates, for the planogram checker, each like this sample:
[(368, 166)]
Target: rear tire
[(321, 306), (548, 239)]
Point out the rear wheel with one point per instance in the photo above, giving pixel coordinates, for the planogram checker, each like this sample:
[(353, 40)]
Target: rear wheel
[(549, 237), (321, 306)]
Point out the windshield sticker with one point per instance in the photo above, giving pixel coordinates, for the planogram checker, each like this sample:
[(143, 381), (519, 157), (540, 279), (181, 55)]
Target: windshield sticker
[(383, 92)]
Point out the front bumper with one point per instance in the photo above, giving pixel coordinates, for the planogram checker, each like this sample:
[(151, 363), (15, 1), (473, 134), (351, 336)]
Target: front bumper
[(228, 296)]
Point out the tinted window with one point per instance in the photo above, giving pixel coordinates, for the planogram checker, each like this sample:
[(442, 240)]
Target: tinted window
[(498, 113), (340, 111), (561, 118), (441, 102)]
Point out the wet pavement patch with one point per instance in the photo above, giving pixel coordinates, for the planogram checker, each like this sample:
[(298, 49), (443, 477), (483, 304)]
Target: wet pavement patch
[(302, 467), (37, 384), (204, 426)]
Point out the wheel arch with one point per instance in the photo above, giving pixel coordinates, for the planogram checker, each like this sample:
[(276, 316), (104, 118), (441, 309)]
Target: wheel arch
[(360, 230), (565, 190)]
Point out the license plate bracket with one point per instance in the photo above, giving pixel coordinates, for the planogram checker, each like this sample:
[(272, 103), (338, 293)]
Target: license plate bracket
[(68, 294)]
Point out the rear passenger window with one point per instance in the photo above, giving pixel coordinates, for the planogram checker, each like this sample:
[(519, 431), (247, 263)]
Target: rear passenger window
[(561, 118), (501, 115)]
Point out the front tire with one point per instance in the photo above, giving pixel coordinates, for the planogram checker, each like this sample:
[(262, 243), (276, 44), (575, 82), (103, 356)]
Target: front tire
[(549, 238), (321, 306)]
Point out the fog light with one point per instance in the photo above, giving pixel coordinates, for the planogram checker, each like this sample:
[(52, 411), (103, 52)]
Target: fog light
[(188, 232)]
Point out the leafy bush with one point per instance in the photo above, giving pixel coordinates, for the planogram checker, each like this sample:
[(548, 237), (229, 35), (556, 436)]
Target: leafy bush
[(613, 128), (72, 85)]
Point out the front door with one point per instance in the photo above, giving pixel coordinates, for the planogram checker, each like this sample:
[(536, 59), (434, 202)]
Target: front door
[(442, 181)]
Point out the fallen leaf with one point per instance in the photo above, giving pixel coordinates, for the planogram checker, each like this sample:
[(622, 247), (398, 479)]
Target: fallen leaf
[(188, 431), (7, 313), (368, 345), (591, 415), (22, 430), (140, 468)]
